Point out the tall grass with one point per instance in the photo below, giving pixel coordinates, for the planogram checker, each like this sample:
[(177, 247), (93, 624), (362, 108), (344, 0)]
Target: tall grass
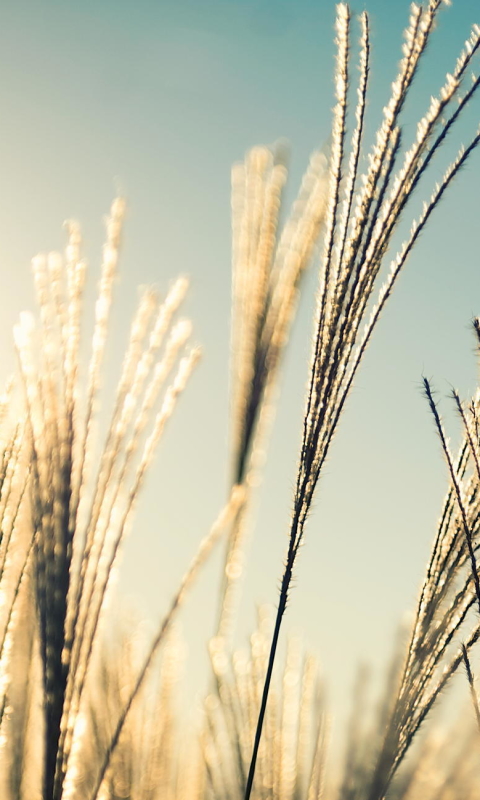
[(363, 213), (268, 266), (83, 715), (77, 512)]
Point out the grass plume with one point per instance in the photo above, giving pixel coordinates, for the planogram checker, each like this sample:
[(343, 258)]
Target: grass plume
[(362, 216), (89, 714)]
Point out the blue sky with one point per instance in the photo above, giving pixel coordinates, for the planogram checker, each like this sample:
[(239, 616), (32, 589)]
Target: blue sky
[(156, 100)]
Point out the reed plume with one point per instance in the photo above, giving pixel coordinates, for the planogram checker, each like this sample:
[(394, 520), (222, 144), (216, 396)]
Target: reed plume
[(100, 719), (268, 266), (362, 214), (78, 522)]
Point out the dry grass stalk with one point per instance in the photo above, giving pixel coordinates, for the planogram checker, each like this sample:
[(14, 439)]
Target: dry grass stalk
[(77, 523), (361, 218), (107, 732)]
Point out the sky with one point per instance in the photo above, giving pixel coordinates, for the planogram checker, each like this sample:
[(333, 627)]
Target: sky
[(156, 100)]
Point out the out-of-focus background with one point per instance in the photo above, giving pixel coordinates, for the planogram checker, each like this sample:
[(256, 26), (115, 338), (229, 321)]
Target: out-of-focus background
[(155, 100)]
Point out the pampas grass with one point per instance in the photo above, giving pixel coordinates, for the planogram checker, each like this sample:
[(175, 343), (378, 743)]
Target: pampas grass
[(94, 716)]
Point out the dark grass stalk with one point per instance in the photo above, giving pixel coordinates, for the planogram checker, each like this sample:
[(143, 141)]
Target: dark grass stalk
[(268, 677)]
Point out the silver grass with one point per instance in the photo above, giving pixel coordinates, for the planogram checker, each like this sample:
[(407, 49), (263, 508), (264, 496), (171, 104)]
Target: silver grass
[(268, 265), (447, 595), (362, 215), (77, 523), (102, 722)]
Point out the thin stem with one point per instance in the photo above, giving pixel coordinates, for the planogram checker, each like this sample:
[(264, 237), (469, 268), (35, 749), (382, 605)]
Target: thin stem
[(268, 678)]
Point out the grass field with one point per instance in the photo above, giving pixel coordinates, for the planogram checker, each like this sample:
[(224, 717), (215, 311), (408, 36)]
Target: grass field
[(89, 708)]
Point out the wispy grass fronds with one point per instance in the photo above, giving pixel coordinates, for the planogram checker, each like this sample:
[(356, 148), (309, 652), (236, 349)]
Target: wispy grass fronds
[(267, 268), (292, 759), (15, 540), (465, 481), (455, 480), (442, 761), (221, 524), (17, 629), (357, 755), (102, 722), (442, 765), (448, 593), (292, 756), (363, 213), (268, 265), (21, 729), (79, 521), (146, 760)]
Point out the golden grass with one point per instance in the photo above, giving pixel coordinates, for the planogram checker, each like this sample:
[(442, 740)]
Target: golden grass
[(80, 719)]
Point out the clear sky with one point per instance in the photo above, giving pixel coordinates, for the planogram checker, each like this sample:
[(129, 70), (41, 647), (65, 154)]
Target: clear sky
[(157, 100)]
